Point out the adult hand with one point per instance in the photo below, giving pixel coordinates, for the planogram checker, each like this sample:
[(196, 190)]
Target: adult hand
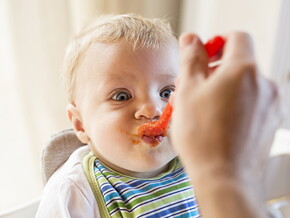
[(224, 121)]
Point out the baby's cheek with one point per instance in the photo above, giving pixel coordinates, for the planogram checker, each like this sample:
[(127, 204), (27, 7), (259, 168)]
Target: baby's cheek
[(169, 136)]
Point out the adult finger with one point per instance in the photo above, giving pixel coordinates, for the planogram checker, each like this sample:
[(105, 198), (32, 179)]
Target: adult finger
[(238, 46), (193, 59), (238, 59)]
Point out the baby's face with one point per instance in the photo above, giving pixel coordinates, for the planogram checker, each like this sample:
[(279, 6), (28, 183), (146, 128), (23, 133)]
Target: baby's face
[(117, 90)]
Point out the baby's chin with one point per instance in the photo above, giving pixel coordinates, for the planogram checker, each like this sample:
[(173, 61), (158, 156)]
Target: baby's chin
[(140, 161)]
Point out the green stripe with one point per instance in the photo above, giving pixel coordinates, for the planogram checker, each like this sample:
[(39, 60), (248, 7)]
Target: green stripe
[(156, 204), (88, 167)]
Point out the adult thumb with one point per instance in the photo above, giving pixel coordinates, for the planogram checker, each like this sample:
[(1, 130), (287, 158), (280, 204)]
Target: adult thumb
[(193, 59)]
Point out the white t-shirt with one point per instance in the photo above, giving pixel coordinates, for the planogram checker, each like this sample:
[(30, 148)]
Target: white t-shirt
[(67, 192)]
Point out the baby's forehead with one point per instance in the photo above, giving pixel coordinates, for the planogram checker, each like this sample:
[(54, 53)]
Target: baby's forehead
[(124, 54), (120, 60), (129, 46)]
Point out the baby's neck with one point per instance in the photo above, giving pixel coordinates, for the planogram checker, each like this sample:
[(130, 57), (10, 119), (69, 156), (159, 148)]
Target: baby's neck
[(132, 173)]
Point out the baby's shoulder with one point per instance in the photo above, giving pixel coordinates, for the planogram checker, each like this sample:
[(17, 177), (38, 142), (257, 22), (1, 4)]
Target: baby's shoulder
[(71, 173), (68, 186)]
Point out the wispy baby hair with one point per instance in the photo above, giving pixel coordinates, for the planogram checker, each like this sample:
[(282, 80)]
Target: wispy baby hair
[(137, 31)]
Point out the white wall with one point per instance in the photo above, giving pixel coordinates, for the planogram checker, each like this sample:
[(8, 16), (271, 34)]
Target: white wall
[(281, 59), (32, 98), (258, 17)]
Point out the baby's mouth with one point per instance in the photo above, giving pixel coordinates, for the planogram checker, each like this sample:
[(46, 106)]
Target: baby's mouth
[(152, 140), (157, 129)]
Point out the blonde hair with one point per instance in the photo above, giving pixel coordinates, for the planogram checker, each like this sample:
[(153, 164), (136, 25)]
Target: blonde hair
[(137, 31)]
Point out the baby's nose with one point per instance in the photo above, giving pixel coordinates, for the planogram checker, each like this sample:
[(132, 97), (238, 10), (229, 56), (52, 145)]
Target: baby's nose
[(148, 111)]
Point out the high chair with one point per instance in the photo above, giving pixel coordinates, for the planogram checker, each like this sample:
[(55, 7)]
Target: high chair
[(27, 210), (277, 185), (56, 152)]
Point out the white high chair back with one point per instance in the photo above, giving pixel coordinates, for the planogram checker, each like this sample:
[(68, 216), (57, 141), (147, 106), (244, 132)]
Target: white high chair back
[(27, 210), (277, 185)]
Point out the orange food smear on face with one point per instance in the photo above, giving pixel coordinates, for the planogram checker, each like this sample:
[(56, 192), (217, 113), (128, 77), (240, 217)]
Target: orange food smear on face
[(158, 127), (135, 139)]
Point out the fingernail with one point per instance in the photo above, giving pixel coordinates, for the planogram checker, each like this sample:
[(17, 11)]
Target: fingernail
[(186, 39)]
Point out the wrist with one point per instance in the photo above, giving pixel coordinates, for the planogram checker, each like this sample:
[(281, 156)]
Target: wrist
[(220, 171), (220, 189), (224, 195)]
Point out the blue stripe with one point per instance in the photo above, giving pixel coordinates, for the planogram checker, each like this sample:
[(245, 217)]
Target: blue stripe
[(183, 214), (155, 211), (187, 207)]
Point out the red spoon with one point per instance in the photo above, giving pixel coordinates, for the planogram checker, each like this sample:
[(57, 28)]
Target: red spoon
[(158, 128)]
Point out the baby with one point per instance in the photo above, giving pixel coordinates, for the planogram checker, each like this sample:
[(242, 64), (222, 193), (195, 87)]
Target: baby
[(119, 72)]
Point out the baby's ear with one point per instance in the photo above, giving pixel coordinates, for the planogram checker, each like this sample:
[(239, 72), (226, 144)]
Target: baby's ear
[(75, 118)]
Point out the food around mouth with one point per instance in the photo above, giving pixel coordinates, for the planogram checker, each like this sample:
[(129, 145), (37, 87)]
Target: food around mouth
[(152, 141)]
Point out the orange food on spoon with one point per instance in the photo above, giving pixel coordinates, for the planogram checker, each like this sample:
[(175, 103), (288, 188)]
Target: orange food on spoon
[(214, 45), (153, 131)]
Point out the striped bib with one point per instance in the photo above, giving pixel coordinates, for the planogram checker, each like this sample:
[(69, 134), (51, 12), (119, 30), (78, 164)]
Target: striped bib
[(117, 195)]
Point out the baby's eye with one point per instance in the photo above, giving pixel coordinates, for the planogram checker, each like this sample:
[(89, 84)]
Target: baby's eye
[(121, 96), (166, 92)]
